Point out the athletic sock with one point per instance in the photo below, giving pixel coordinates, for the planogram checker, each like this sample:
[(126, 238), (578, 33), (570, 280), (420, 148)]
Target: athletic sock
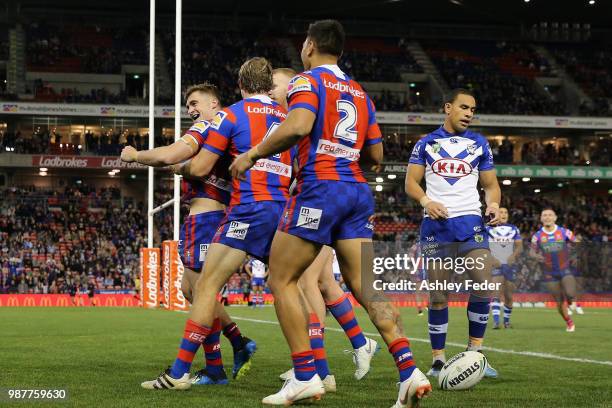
[(495, 310), (438, 326), (212, 350), (343, 312), (478, 317), (316, 333), (193, 337), (304, 365), (400, 349), (507, 314), (232, 333)]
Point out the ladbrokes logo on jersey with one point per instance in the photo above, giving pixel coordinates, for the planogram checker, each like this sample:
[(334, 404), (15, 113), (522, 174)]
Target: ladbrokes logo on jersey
[(266, 110), (344, 88), (451, 168)]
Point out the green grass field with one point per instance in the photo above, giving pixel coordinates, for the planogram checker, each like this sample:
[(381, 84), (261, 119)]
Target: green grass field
[(101, 355)]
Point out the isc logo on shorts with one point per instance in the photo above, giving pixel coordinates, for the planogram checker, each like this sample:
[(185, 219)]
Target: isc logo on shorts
[(203, 251), (309, 218), (237, 230)]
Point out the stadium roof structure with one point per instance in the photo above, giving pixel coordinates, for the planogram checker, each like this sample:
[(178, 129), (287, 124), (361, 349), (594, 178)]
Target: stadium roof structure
[(503, 12)]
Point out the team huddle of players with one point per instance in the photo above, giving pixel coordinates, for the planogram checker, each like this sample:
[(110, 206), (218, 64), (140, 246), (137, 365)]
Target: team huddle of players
[(318, 129)]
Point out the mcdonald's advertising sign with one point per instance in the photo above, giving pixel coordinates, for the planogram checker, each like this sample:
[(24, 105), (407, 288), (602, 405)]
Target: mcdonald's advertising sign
[(32, 300)]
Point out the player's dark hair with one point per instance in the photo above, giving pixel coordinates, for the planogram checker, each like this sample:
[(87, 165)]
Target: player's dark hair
[(255, 76), (290, 72), (328, 36), (204, 87), (548, 209), (452, 95)]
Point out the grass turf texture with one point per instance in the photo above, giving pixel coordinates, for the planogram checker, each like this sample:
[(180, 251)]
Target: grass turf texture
[(100, 355)]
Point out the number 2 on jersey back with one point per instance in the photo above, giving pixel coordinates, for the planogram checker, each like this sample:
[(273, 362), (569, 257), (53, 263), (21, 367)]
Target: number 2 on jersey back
[(345, 128)]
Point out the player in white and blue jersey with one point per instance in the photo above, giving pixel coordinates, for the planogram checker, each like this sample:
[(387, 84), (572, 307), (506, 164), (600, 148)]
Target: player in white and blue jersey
[(506, 245), (258, 273), (453, 160)]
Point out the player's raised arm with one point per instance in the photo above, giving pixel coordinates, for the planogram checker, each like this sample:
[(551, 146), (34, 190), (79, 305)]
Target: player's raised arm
[(179, 151), (488, 181)]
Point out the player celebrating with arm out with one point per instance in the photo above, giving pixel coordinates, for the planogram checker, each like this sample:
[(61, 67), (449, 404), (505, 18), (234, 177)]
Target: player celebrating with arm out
[(254, 211), (551, 245), (207, 196), (332, 120), (506, 246), (453, 160), (322, 290)]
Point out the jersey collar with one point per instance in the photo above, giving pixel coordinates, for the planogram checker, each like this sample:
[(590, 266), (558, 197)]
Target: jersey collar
[(261, 98), (551, 232), (335, 69), (446, 133)]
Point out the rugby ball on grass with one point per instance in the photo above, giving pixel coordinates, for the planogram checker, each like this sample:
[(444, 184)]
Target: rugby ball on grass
[(463, 371)]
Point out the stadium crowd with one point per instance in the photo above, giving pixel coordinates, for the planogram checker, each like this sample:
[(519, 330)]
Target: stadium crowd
[(396, 147), (217, 57), (52, 240), (46, 93)]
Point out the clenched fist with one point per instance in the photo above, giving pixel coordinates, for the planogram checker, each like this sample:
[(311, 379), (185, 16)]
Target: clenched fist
[(128, 154)]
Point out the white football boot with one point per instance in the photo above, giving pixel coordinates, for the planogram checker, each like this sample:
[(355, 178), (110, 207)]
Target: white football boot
[(294, 391), (329, 382), (165, 382), (363, 356), (412, 390)]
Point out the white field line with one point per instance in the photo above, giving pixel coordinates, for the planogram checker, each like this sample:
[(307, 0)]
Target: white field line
[(492, 349)]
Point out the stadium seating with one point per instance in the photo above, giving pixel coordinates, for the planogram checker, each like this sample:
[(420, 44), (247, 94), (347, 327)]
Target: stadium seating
[(83, 48), (217, 57), (590, 68), (377, 59), (500, 74)]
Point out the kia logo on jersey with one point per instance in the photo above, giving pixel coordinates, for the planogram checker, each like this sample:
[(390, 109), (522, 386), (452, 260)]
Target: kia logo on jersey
[(451, 168)]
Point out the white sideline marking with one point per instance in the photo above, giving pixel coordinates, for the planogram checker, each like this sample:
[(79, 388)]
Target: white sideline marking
[(493, 349)]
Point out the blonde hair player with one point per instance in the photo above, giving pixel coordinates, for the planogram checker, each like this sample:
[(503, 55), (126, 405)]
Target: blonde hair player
[(207, 197), (332, 120), (255, 207)]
